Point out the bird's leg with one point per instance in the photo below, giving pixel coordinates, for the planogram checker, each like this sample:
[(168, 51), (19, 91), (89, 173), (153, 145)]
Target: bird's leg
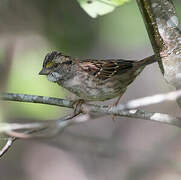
[(115, 104), (117, 101), (77, 106)]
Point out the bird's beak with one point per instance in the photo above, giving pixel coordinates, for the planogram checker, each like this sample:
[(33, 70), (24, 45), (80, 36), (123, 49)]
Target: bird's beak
[(44, 71)]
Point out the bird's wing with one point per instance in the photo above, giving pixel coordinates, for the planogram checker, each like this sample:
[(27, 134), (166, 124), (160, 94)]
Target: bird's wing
[(104, 69)]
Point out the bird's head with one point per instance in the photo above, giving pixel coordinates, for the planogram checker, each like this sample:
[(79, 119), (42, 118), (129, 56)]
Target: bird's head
[(53, 65)]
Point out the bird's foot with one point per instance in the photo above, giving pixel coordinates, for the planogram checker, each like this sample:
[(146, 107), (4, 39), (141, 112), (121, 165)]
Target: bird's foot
[(77, 106)]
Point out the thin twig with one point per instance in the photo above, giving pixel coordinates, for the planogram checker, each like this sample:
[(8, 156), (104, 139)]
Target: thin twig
[(7, 146), (52, 126), (149, 100)]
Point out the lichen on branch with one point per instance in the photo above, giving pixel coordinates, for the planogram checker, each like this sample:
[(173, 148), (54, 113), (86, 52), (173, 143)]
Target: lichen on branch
[(164, 31)]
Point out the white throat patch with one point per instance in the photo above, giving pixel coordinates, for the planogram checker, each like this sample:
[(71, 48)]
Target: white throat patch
[(54, 76)]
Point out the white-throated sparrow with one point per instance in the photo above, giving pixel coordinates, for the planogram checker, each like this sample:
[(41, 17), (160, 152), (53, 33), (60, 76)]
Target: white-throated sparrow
[(90, 79)]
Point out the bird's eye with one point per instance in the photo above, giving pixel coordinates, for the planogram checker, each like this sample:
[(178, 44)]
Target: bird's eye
[(67, 62)]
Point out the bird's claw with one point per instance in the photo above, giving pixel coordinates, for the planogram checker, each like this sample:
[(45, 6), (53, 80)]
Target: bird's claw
[(77, 105)]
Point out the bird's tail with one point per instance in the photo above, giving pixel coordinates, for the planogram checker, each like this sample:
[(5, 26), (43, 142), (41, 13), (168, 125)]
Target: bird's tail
[(146, 61)]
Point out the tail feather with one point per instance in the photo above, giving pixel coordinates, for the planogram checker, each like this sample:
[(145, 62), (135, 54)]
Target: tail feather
[(147, 61)]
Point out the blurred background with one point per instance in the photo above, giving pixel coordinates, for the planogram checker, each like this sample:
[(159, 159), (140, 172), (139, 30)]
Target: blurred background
[(128, 149)]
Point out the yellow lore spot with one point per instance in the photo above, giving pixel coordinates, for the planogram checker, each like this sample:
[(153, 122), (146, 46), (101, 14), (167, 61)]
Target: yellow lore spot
[(49, 65)]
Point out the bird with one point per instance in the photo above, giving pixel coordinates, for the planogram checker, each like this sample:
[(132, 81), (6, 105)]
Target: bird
[(93, 79)]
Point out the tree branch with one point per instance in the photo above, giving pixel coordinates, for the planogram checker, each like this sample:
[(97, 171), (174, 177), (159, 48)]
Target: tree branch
[(164, 31), (122, 110), (37, 99), (53, 127)]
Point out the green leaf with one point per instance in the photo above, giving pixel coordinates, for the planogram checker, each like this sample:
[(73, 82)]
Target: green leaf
[(100, 7)]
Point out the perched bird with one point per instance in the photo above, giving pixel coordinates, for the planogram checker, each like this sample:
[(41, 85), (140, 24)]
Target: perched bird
[(91, 79)]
